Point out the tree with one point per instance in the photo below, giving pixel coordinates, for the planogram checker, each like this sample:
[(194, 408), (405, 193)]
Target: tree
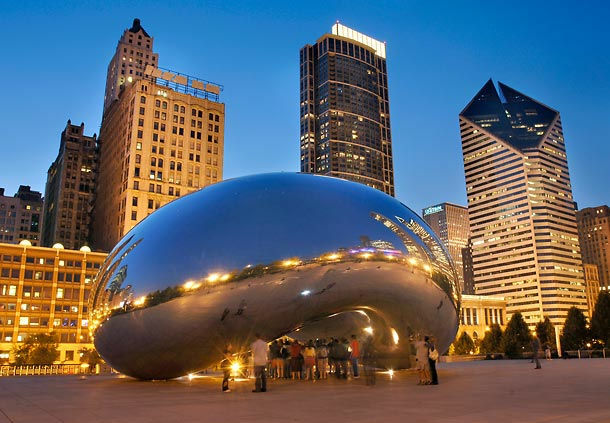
[(574, 334), (463, 345), (516, 336), (600, 320), (492, 342), (545, 331), (38, 348), (91, 357)]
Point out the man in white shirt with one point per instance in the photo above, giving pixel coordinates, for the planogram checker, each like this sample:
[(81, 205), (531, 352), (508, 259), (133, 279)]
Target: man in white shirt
[(260, 356)]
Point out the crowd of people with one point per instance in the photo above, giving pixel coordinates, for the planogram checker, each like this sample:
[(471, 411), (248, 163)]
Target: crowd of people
[(316, 360)]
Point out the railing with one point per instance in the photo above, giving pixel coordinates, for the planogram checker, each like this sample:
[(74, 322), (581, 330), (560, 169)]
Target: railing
[(50, 369), (586, 353)]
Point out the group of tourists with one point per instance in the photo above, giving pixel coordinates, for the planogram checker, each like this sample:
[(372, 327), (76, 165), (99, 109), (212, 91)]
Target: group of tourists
[(316, 360)]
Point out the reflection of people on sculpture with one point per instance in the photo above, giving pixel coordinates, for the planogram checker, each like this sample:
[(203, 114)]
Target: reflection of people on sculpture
[(369, 358), (354, 355)]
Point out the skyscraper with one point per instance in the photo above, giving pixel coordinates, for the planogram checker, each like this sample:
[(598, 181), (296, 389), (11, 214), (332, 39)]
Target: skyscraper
[(592, 285), (450, 223), (162, 137), (521, 210), (594, 236), (133, 53), (345, 109), (467, 268), (21, 216), (70, 189)]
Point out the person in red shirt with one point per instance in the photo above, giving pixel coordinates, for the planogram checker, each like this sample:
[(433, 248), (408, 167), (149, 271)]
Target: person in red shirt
[(295, 363), (355, 355)]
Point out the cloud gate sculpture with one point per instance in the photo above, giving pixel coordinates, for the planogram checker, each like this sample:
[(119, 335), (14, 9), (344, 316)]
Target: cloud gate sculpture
[(276, 254)]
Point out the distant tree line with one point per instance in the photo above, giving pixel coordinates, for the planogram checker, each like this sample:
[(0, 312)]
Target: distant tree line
[(577, 333)]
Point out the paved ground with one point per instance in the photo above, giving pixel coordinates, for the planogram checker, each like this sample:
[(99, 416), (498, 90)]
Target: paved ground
[(483, 391)]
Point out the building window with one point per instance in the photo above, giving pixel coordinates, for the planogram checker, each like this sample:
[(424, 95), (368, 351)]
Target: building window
[(134, 215), (134, 201)]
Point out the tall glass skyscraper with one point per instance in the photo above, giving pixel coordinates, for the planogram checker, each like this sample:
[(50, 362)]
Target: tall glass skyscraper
[(521, 211), (345, 110)]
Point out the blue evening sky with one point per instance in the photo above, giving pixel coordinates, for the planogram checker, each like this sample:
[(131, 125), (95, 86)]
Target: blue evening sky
[(55, 54)]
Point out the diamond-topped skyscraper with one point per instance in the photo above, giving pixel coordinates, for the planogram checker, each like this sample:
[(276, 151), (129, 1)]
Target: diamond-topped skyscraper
[(345, 109), (521, 211)]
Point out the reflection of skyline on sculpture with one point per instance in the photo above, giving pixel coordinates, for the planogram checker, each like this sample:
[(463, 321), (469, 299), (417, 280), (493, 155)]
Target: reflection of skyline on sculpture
[(231, 256), (272, 239)]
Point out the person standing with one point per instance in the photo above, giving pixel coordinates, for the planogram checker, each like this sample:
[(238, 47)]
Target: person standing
[(332, 355), (260, 357), (274, 355), (432, 358), (345, 356), (322, 358), (225, 365), (285, 354), (355, 355), (309, 355), (295, 352), (535, 349), (547, 351), (423, 365)]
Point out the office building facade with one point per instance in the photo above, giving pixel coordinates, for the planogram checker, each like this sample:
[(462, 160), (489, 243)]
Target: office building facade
[(46, 290), (594, 236), (162, 138), (21, 216), (450, 223), (345, 109), (70, 189), (521, 211)]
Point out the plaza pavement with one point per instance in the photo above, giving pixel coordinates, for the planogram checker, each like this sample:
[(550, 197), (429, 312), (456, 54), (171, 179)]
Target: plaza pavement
[(480, 391)]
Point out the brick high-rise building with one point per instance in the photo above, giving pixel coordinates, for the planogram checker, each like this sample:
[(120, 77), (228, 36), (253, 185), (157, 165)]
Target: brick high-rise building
[(162, 138), (21, 216), (450, 223), (594, 236), (70, 189), (133, 54), (345, 109), (521, 211)]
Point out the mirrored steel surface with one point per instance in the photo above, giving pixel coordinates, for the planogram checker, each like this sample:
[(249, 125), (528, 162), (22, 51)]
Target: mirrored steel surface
[(274, 254)]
